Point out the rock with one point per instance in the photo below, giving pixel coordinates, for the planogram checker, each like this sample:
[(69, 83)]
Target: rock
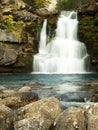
[(52, 5), (2, 88), (6, 118), (70, 119), (19, 3), (38, 115), (35, 84), (25, 16), (25, 89), (7, 93), (18, 99), (44, 12), (8, 57), (92, 117), (79, 96), (7, 10), (8, 37), (66, 105), (94, 98)]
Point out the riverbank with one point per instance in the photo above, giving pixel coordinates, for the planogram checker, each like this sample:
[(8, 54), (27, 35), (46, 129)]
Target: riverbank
[(23, 108)]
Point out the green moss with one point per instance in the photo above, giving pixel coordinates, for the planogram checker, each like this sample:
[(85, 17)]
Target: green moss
[(8, 23), (37, 3)]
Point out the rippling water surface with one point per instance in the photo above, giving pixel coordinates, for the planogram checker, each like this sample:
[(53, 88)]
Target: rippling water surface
[(69, 88), (47, 79)]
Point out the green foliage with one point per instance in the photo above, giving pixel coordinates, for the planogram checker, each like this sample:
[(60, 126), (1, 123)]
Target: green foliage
[(8, 23), (37, 3), (41, 3)]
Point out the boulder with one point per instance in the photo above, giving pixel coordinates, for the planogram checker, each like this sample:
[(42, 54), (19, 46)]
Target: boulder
[(92, 117), (18, 99), (8, 57), (6, 118), (39, 115), (83, 118), (25, 89), (70, 119)]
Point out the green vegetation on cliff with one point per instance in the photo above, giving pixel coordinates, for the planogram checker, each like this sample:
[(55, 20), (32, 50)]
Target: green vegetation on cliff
[(37, 3)]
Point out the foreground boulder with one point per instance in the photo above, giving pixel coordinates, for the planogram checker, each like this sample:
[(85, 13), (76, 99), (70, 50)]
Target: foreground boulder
[(18, 99), (92, 117), (6, 118), (39, 115), (70, 119), (82, 118)]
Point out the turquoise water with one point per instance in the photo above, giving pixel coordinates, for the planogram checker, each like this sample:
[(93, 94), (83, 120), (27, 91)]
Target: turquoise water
[(69, 88), (47, 79)]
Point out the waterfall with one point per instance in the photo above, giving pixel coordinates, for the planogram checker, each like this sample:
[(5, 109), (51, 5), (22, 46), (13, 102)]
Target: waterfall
[(64, 53), (43, 37)]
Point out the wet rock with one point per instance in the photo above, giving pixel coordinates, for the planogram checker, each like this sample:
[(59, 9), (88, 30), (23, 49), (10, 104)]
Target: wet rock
[(38, 115), (25, 89), (70, 119), (94, 98), (6, 118), (18, 99), (79, 96), (35, 84), (66, 105)]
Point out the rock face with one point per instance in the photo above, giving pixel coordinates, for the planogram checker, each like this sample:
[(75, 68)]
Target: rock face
[(7, 37), (88, 30), (20, 26)]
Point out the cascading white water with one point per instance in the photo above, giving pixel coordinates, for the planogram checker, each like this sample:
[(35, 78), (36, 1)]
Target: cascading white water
[(64, 54), (43, 37)]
